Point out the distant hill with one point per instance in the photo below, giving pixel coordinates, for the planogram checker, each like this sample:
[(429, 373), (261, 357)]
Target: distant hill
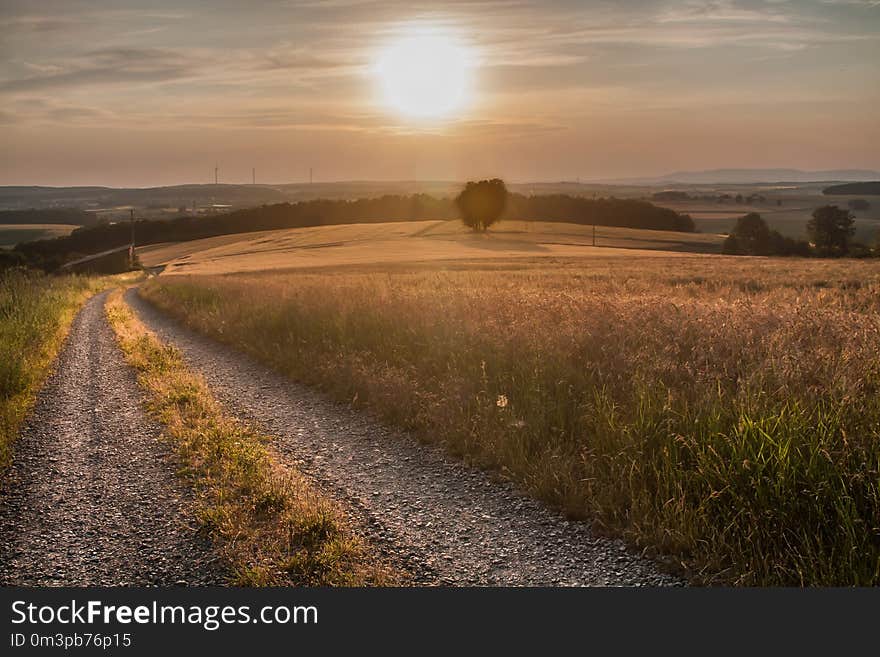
[(71, 216), (747, 176), (95, 198), (858, 188), (235, 196)]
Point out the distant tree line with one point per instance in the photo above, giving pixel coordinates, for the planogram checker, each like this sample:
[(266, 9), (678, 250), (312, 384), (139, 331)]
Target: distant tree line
[(625, 213), (868, 188), (670, 195), (752, 236), (51, 253), (830, 231)]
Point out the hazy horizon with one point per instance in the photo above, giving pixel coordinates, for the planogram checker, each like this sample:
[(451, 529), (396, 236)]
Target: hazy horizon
[(663, 179), (160, 93)]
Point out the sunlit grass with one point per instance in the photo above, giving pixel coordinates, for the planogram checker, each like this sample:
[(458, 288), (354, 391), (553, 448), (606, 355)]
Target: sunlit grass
[(724, 412), (35, 315), (272, 527)]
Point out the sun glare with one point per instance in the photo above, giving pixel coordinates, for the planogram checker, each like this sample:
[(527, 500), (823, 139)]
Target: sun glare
[(425, 75)]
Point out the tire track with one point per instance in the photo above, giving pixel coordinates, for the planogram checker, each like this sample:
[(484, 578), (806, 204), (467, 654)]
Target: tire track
[(91, 497)]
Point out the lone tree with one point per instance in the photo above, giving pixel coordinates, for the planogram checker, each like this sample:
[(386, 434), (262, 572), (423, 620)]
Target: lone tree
[(830, 230), (481, 204)]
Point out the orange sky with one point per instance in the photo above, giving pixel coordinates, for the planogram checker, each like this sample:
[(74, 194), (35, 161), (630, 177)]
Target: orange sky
[(118, 94)]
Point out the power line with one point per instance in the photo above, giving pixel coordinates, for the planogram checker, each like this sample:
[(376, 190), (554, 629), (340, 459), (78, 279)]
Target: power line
[(131, 245)]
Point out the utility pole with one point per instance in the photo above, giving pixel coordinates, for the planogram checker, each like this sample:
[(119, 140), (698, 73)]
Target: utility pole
[(254, 176), (131, 245), (310, 175), (216, 169), (594, 234)]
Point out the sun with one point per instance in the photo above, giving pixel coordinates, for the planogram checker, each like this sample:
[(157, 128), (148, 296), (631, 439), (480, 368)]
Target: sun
[(425, 74)]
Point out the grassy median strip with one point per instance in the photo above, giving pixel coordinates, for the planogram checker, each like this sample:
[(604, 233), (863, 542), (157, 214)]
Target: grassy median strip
[(270, 524), (35, 315), (724, 412)]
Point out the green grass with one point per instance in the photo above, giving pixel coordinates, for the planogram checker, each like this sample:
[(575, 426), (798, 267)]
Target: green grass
[(35, 314), (722, 412)]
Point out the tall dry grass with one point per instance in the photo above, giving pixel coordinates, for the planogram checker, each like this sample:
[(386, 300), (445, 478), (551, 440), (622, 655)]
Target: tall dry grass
[(272, 527), (723, 411), (35, 314)]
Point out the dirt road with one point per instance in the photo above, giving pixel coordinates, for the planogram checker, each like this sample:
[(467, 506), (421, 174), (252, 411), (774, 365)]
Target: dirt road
[(446, 522), (92, 497)]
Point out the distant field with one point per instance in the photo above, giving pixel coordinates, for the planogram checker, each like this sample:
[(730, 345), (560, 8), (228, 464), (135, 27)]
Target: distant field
[(422, 241), (790, 218), (724, 411), (430, 241), (791, 223), (12, 234)]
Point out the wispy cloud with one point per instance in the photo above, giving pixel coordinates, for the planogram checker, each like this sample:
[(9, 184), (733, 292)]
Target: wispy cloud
[(722, 11), (38, 23), (546, 70), (854, 3), (108, 66)]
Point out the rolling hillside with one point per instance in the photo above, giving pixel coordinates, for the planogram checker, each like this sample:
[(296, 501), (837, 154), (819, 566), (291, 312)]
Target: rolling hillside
[(353, 244), (12, 234)]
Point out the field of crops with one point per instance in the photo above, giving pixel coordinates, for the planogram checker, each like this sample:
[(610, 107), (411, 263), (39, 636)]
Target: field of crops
[(413, 241), (721, 411)]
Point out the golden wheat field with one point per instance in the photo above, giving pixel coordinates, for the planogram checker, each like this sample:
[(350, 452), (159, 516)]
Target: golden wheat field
[(412, 241), (723, 412)]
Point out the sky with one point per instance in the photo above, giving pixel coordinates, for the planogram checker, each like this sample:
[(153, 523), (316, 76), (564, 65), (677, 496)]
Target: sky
[(155, 93)]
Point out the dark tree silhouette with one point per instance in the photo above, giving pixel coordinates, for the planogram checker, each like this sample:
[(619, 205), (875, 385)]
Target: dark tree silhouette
[(731, 246), (830, 230), (752, 234), (482, 203)]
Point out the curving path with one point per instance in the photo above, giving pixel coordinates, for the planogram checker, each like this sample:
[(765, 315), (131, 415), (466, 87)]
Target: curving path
[(445, 522), (91, 497)]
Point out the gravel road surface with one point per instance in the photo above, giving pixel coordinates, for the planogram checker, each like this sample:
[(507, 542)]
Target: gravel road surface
[(445, 522), (91, 497)]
